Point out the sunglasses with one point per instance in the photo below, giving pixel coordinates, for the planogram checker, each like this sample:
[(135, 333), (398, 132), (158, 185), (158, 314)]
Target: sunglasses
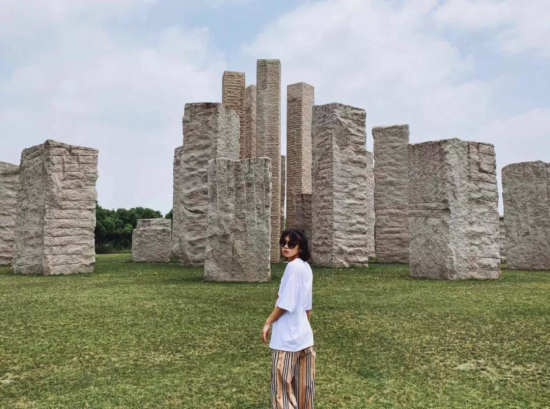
[(290, 244)]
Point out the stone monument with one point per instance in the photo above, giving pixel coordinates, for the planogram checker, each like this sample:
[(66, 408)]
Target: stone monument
[(9, 188), (502, 230), (176, 202), (234, 97), (151, 241), (283, 192), (370, 204), (250, 148)]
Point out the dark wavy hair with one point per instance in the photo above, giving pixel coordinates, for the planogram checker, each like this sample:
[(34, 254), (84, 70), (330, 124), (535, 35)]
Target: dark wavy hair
[(300, 237)]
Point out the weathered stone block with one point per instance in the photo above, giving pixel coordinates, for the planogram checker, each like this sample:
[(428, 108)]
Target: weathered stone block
[(502, 239), (211, 131), (268, 133), (234, 97), (283, 193), (55, 215), (177, 201), (526, 196), (370, 205), (300, 206), (453, 227), (239, 220), (250, 140), (339, 186), (151, 241), (390, 193), (9, 188)]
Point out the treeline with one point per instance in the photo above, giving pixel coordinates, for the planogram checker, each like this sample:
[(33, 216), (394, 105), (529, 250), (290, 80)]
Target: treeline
[(113, 231)]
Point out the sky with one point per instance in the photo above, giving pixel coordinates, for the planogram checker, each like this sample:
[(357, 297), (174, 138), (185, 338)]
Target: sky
[(115, 75)]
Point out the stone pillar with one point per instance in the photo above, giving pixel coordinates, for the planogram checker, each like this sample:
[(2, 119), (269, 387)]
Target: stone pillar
[(234, 97), (390, 193), (300, 99), (211, 131), (250, 145), (301, 208), (339, 186), (9, 188), (151, 241), (283, 192), (370, 204), (239, 220), (526, 196), (177, 201), (502, 230), (268, 126), (453, 210), (56, 210)]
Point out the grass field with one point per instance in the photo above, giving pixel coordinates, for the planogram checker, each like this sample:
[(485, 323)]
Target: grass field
[(157, 336)]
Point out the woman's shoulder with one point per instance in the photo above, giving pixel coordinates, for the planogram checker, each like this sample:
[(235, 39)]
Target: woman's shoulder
[(298, 264)]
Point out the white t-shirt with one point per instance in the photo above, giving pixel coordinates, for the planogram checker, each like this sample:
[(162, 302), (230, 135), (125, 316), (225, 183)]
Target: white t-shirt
[(292, 332)]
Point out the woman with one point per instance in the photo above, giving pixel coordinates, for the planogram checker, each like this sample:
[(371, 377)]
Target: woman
[(293, 363)]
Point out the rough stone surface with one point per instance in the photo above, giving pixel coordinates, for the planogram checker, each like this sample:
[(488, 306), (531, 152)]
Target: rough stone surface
[(453, 210), (9, 188), (250, 140), (211, 131), (56, 210), (239, 220), (268, 126), (177, 201), (300, 100), (234, 97), (339, 186), (370, 204), (390, 193), (283, 192), (502, 238), (526, 196), (151, 240), (300, 205)]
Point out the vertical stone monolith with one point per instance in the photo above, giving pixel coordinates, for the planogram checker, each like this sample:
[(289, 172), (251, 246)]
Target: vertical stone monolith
[(211, 131), (250, 140), (453, 210), (390, 193), (234, 97), (370, 204), (339, 186), (56, 210), (151, 241), (268, 134), (283, 192), (177, 200), (526, 197), (239, 220), (502, 239), (9, 188)]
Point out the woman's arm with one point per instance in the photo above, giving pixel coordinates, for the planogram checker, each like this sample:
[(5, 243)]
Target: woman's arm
[(275, 315), (308, 312)]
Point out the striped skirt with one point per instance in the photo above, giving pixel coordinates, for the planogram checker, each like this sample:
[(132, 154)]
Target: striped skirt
[(293, 379)]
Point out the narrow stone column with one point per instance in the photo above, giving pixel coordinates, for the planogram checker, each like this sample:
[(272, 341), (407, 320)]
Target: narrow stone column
[(301, 208), (453, 210), (177, 201), (390, 193), (300, 100), (370, 204), (234, 97), (56, 210), (283, 192), (211, 131), (268, 126), (526, 196), (339, 186), (9, 188), (250, 140), (239, 220), (151, 241), (502, 230)]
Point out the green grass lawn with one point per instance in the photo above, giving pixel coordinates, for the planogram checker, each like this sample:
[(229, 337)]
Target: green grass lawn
[(157, 336)]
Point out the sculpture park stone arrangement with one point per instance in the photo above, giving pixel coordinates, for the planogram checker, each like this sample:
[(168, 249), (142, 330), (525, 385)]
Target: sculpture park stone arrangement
[(234, 97), (283, 192), (176, 201), (151, 241), (9, 188), (250, 140), (453, 210), (239, 220), (268, 134), (390, 193), (300, 100), (502, 238), (211, 131), (339, 186), (56, 210), (526, 197), (370, 204)]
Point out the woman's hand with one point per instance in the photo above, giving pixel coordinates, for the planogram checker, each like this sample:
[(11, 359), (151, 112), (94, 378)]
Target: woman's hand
[(265, 332)]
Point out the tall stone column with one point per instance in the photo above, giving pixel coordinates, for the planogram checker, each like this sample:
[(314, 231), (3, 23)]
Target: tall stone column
[(502, 230), (526, 196), (239, 220), (56, 210), (453, 210), (9, 188), (250, 140), (390, 193), (268, 126), (234, 97), (300, 100), (177, 201), (283, 192), (339, 186), (370, 204), (211, 131)]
